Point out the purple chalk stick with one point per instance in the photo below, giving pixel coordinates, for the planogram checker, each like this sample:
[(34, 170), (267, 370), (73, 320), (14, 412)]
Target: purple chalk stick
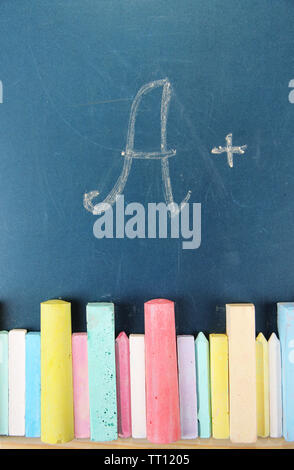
[(187, 386)]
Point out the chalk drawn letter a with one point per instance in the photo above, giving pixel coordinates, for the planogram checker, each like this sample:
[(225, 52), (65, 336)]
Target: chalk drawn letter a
[(130, 153)]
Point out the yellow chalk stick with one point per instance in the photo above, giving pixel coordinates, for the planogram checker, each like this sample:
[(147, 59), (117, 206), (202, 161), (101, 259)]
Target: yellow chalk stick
[(219, 386), (262, 386), (57, 423)]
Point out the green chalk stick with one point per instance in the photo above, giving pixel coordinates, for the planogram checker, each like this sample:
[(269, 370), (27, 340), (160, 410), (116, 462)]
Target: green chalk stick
[(101, 367), (203, 385)]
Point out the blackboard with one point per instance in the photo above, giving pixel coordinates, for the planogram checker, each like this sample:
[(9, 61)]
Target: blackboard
[(70, 71)]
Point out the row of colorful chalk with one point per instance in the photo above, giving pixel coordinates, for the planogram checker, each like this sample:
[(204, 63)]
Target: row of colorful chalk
[(231, 389), (203, 377), (24, 380), (20, 383)]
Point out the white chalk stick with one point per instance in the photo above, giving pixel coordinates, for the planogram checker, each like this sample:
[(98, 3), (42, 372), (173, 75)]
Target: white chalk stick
[(242, 372), (17, 349), (275, 386), (138, 397)]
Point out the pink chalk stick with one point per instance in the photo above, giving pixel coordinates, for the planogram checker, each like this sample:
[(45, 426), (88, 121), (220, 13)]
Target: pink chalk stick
[(80, 386), (162, 391), (123, 387)]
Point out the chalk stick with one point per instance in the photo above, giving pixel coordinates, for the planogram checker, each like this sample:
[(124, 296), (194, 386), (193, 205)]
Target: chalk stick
[(4, 383), (101, 366), (275, 386), (286, 334), (80, 386), (138, 395), (16, 354), (219, 379), (33, 384), (240, 320), (57, 421), (262, 386), (203, 386), (187, 386), (122, 355), (162, 389)]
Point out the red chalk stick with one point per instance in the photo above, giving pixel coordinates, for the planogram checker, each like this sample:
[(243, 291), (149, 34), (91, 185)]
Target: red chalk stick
[(122, 357), (80, 386), (162, 391)]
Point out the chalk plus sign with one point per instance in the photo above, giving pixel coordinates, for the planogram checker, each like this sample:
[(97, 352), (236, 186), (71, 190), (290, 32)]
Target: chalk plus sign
[(229, 150)]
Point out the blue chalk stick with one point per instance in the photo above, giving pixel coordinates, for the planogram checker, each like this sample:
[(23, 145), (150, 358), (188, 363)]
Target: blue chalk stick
[(33, 385), (203, 385), (286, 333), (4, 383), (102, 374)]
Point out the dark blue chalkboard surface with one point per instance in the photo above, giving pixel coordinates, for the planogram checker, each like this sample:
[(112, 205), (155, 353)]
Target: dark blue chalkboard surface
[(70, 72)]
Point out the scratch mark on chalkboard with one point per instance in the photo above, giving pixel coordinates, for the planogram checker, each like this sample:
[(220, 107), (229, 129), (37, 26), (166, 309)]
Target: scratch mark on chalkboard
[(179, 259), (92, 103), (50, 99), (16, 82), (119, 271), (129, 153), (219, 188)]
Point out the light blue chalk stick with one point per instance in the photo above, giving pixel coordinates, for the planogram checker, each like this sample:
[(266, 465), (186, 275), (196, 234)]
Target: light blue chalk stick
[(286, 333), (203, 385), (33, 385), (4, 383), (101, 367)]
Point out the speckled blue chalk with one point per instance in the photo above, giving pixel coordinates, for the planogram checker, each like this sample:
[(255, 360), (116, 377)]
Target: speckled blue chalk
[(33, 385), (4, 383), (101, 368), (203, 385), (286, 333)]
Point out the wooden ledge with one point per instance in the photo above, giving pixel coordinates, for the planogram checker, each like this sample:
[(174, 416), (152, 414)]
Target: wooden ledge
[(26, 443)]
